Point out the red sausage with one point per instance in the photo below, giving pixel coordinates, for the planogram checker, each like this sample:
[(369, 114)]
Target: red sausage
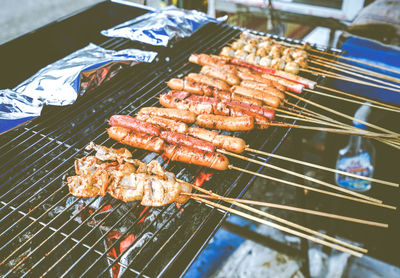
[(188, 141), (188, 155), (226, 122), (134, 124), (137, 140)]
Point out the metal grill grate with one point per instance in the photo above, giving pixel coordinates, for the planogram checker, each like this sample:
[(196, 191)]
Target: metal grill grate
[(45, 231)]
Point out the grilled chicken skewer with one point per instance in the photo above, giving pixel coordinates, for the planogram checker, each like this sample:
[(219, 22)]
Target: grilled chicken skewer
[(159, 195), (115, 172)]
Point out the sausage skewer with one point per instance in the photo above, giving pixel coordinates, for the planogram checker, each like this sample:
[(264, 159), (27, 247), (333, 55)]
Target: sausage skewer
[(209, 105), (180, 153), (294, 87), (202, 89), (203, 158), (209, 140), (226, 51)]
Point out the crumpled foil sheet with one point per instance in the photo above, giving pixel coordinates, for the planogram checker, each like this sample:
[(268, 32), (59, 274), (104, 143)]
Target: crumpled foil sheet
[(63, 81), (161, 26)]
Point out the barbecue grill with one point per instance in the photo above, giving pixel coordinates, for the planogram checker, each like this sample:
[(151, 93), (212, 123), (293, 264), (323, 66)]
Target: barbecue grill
[(46, 231)]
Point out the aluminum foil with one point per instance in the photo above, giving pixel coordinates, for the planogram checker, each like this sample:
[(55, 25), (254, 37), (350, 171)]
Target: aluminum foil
[(161, 26), (63, 81)]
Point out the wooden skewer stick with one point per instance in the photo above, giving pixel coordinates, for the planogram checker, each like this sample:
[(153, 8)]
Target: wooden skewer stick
[(354, 60), (322, 167), (315, 121), (286, 222), (319, 71), (354, 101), (389, 141), (354, 68), (331, 130), (356, 74), (280, 227), (278, 219), (329, 121), (296, 109), (290, 208), (300, 115), (355, 96), (356, 194), (312, 188), (329, 74), (349, 131), (342, 114), (393, 142), (305, 111)]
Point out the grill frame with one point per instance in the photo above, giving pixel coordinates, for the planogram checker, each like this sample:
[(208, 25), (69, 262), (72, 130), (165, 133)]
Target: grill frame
[(179, 264)]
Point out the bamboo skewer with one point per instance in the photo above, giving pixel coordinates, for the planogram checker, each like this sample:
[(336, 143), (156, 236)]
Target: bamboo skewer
[(353, 68), (390, 142), (280, 227), (354, 101), (316, 118), (343, 115), (286, 222), (355, 96), (290, 208), (322, 167), (354, 60), (356, 74), (344, 190), (331, 130), (345, 130), (305, 187), (315, 121), (331, 122), (329, 74)]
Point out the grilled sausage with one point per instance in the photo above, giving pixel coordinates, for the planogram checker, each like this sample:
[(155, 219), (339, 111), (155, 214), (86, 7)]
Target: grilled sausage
[(188, 141), (181, 95), (243, 99), (190, 86), (134, 124), (203, 79), (196, 104), (229, 143), (290, 85), (296, 78), (263, 87), (174, 114), (260, 122), (137, 140), (212, 61), (188, 155), (261, 110), (264, 97), (165, 123), (226, 95), (195, 98), (228, 77), (226, 122), (248, 75), (167, 100), (201, 89)]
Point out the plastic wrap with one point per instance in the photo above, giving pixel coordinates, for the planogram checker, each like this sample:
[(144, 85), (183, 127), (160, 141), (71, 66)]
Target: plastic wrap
[(161, 26), (61, 82)]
